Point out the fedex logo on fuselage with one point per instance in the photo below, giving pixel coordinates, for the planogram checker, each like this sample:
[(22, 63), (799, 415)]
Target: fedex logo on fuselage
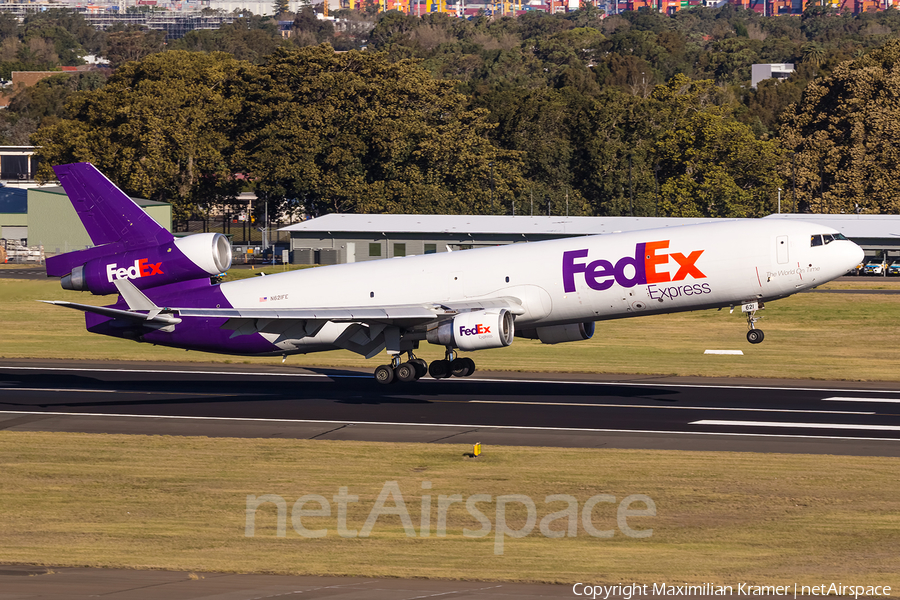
[(477, 330), (140, 268), (601, 274)]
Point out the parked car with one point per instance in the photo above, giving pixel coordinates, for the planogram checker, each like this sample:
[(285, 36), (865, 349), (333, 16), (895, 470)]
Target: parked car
[(894, 269), (857, 270), (875, 266)]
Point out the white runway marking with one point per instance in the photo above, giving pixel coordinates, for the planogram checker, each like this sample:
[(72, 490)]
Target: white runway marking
[(25, 389), (671, 407), (799, 425), (454, 425), (840, 399)]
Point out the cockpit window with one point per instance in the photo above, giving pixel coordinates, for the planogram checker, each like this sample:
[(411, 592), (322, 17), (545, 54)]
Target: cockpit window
[(825, 238)]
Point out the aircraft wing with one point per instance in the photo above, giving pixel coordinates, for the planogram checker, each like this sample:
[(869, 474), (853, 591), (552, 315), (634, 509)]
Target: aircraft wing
[(404, 314), (370, 329), (244, 321)]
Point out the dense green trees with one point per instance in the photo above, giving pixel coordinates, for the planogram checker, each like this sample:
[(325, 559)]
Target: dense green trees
[(336, 132), (356, 132), (845, 133), (159, 128), (639, 113)]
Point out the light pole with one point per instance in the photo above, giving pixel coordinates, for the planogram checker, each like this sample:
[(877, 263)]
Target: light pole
[(492, 186)]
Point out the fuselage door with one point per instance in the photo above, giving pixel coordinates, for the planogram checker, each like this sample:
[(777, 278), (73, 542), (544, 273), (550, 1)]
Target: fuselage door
[(781, 249)]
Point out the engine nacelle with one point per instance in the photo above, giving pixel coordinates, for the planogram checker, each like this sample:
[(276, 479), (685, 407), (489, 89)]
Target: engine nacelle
[(475, 330), (191, 257), (555, 334)]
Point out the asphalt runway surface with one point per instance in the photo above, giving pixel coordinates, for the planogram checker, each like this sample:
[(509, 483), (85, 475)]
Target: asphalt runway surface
[(592, 411)]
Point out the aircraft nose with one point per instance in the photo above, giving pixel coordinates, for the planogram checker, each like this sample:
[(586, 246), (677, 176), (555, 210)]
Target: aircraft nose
[(851, 255)]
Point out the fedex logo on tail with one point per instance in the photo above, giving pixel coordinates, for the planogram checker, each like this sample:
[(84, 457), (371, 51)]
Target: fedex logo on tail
[(629, 271), (140, 268)]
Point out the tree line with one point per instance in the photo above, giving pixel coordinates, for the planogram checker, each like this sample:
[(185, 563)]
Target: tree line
[(638, 113)]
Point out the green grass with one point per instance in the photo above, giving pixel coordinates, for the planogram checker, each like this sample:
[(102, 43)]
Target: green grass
[(818, 336), (179, 503)]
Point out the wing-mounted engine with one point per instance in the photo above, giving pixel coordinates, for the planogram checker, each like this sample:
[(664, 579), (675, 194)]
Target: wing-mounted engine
[(556, 334), (192, 257), (475, 330)]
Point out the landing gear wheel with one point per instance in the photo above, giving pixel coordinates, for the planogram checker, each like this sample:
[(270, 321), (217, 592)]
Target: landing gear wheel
[(462, 367), (439, 369), (384, 374), (459, 367), (755, 336), (470, 364), (406, 372), (421, 367)]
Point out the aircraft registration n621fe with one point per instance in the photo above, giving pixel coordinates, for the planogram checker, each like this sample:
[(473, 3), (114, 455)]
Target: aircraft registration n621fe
[(553, 291)]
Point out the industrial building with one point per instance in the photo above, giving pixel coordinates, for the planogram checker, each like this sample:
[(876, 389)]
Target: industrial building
[(45, 217), (344, 238)]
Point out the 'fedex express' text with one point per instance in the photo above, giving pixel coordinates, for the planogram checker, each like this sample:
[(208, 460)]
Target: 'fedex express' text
[(645, 268)]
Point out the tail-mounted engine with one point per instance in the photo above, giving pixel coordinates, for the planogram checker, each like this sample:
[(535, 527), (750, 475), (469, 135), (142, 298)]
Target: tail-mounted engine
[(475, 330), (192, 257), (555, 334)]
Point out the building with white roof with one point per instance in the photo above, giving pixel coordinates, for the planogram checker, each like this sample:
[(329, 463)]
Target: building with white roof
[(340, 238)]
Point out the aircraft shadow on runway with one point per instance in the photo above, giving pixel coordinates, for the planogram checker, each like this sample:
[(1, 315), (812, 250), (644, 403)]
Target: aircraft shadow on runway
[(73, 391)]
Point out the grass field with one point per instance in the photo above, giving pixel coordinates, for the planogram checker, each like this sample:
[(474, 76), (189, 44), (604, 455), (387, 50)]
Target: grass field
[(817, 336), (180, 503)]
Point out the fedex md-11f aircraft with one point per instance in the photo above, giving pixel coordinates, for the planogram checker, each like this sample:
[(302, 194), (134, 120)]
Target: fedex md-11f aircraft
[(553, 290)]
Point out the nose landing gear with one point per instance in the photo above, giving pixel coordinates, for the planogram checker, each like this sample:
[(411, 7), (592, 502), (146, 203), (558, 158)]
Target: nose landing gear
[(754, 336)]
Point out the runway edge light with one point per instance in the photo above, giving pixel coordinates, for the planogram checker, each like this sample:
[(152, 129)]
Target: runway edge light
[(476, 450)]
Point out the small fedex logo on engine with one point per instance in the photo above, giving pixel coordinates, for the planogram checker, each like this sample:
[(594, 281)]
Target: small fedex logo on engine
[(629, 271), (140, 268), (477, 330)]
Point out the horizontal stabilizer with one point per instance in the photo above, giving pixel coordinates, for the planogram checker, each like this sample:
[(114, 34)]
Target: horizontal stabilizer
[(116, 313)]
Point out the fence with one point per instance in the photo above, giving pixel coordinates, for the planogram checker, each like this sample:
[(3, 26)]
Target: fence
[(240, 231)]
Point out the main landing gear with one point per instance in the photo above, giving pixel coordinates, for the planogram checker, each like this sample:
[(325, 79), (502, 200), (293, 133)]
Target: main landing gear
[(452, 366), (416, 368)]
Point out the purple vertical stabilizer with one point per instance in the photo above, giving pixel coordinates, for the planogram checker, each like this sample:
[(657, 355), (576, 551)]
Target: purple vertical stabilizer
[(107, 213), (115, 223)]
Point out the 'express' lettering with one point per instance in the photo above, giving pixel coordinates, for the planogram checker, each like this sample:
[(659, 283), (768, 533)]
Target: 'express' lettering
[(629, 271)]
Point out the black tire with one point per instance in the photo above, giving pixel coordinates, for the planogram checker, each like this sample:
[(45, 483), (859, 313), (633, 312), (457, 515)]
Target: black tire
[(459, 367), (470, 364), (421, 367), (755, 336), (439, 369), (384, 374), (406, 372)]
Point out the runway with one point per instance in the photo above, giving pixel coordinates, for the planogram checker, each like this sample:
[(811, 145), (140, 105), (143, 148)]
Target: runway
[(593, 411)]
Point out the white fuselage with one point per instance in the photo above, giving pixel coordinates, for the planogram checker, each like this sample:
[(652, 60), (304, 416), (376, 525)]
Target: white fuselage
[(574, 279)]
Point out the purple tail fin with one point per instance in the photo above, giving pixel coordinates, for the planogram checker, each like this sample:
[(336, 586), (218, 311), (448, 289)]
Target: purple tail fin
[(113, 221), (107, 213)]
